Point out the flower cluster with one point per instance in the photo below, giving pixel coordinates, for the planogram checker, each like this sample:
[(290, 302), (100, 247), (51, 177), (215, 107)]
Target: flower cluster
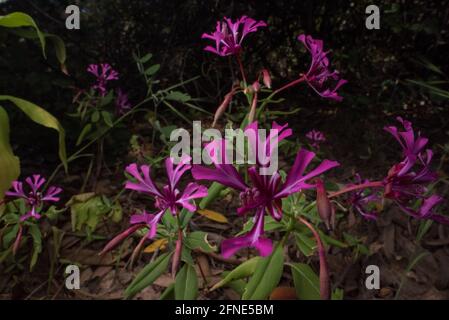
[(34, 197), (408, 180), (319, 76), (406, 183), (104, 73), (265, 193), (316, 138), (229, 35)]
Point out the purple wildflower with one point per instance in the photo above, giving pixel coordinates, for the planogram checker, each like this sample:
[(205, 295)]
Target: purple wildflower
[(265, 192), (408, 180), (122, 104), (167, 198), (103, 76), (316, 138), (319, 74), (411, 145), (228, 35), (34, 197)]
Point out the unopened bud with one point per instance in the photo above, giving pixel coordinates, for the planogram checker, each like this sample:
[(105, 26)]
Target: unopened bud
[(323, 204), (266, 78)]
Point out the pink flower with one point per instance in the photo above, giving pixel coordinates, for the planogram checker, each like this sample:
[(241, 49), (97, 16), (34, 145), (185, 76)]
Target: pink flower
[(265, 193), (122, 104), (34, 196), (319, 74), (228, 35), (167, 198), (103, 76), (316, 138)]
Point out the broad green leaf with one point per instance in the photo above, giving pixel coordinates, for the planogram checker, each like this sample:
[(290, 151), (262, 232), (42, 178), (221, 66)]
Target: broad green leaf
[(19, 19), (42, 117), (9, 163), (148, 274), (37, 244), (307, 282), (198, 240), (146, 58), (178, 96), (152, 70), (186, 283), (10, 235), (266, 277), (244, 270)]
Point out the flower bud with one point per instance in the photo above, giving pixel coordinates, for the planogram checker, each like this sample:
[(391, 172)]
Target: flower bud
[(223, 106), (266, 78), (323, 204)]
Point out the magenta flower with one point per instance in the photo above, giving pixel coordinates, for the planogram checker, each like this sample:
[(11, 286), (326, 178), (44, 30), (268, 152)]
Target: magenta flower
[(408, 180), (122, 104), (319, 74), (265, 193), (167, 198), (104, 73), (316, 138), (228, 35), (411, 146), (34, 196)]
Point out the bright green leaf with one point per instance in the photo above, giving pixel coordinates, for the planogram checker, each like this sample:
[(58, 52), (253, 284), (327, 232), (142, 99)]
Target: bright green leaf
[(9, 163), (266, 277), (42, 117), (186, 283)]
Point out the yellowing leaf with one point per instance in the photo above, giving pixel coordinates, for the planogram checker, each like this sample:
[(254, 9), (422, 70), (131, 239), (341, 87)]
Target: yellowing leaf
[(9, 163), (213, 215), (157, 244)]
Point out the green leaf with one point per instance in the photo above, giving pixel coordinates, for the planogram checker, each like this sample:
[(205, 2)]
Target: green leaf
[(37, 244), (244, 270), (10, 235), (87, 209), (307, 282), (19, 19), (212, 193), (198, 240), (9, 163), (146, 58), (107, 118), (178, 96), (148, 274), (42, 117), (87, 128), (186, 283), (306, 244), (266, 277), (152, 70), (169, 292)]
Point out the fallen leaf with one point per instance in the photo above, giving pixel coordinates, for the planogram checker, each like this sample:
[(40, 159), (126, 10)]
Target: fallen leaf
[(213, 215), (157, 244)]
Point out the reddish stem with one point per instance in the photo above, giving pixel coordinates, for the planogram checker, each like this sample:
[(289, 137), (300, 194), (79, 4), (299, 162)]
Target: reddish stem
[(290, 84), (374, 184), (242, 71), (325, 291), (177, 255)]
